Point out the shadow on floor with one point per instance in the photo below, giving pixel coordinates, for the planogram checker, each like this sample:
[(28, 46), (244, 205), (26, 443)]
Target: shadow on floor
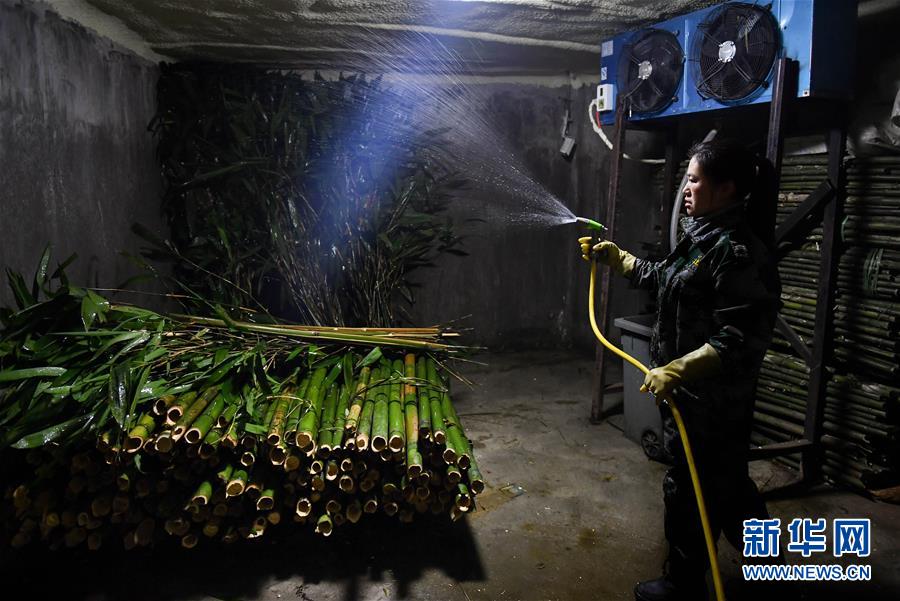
[(375, 550)]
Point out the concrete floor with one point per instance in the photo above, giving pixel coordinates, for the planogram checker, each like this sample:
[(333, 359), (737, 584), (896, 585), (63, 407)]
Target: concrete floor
[(573, 512)]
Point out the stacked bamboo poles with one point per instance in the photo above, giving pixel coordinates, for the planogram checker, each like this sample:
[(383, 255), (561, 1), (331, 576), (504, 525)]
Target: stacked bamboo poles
[(861, 412), (333, 445)]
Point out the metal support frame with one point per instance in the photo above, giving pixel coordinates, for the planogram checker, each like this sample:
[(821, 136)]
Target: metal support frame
[(597, 411), (822, 350)]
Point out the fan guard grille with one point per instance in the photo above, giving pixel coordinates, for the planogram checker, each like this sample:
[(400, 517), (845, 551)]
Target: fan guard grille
[(733, 51), (650, 70)]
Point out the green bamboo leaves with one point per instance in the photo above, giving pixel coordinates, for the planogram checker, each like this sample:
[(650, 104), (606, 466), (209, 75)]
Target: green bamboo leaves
[(271, 167)]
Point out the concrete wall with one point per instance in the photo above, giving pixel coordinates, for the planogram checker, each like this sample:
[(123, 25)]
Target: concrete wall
[(77, 163), (527, 286)]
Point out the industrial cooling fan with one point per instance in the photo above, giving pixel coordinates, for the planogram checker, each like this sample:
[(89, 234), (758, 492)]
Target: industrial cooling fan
[(733, 51), (650, 70)]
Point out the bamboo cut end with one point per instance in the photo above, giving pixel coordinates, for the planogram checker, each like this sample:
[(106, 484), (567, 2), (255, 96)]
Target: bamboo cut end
[(193, 436), (379, 444), (304, 507)]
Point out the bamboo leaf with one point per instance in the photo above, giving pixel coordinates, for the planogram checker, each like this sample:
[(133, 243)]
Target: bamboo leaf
[(347, 368), (51, 433), (373, 356), (93, 307), (40, 275), (118, 392), (256, 429), (20, 292), (11, 375)]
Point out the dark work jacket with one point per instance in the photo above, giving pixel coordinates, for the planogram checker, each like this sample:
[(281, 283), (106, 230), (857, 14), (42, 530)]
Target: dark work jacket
[(720, 285)]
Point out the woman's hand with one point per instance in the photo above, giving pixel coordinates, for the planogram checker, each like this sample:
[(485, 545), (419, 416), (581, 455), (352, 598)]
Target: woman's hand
[(608, 253), (701, 363)]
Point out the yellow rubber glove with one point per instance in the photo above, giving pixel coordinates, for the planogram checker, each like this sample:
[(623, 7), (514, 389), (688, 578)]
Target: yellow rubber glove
[(696, 365), (608, 253)]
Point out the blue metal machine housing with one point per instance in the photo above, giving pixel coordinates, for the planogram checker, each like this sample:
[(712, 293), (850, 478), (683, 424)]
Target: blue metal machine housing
[(819, 34)]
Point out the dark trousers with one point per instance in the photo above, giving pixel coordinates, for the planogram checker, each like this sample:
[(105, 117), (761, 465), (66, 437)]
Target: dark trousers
[(720, 455)]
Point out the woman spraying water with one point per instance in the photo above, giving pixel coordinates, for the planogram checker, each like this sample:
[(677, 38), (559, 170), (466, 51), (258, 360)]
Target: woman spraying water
[(717, 296)]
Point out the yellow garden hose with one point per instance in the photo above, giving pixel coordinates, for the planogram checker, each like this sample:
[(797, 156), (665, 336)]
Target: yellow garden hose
[(695, 479)]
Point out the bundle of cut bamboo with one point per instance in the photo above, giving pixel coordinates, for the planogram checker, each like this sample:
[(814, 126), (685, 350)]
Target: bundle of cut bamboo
[(202, 428), (861, 411)]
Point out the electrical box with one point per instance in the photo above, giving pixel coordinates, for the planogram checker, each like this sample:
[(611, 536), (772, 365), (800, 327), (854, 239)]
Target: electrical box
[(606, 97)]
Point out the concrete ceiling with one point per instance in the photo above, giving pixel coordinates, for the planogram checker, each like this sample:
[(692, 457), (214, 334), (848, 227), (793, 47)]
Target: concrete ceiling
[(534, 37)]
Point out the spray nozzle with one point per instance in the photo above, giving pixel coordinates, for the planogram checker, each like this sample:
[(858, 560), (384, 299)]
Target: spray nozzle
[(594, 225)]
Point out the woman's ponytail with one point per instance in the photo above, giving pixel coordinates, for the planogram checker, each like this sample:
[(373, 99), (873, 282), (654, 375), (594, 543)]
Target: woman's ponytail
[(754, 179)]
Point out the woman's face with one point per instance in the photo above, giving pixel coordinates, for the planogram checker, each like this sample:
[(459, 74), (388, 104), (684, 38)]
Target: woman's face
[(702, 195)]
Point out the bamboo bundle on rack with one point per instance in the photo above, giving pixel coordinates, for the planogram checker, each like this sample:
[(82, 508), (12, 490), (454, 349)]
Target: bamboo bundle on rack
[(861, 416)]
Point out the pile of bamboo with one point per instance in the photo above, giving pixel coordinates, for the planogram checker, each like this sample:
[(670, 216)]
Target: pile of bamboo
[(861, 412), (149, 426), (327, 454)]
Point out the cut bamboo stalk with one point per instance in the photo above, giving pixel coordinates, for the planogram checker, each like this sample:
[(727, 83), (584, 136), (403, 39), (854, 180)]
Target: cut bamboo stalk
[(296, 410), (304, 507), (411, 415), (237, 484), (424, 399), (227, 416), (437, 419), (162, 404), (278, 454), (463, 498), (354, 511), (364, 430), (211, 528), (266, 501), (202, 494), (225, 473), (308, 427), (333, 506), (332, 470), (279, 416), (347, 484), (476, 481), (340, 416), (326, 431), (163, 442), (138, 435), (193, 412), (201, 426), (454, 475), (210, 443), (292, 462), (356, 404), (324, 525), (396, 427), (456, 438), (179, 406), (380, 415)]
